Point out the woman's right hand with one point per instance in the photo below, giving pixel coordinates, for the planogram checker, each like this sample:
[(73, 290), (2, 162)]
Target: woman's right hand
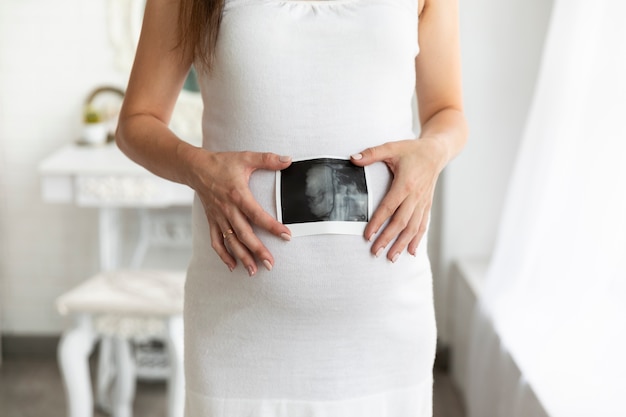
[(221, 180)]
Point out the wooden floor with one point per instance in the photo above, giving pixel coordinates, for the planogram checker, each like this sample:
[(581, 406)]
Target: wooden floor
[(31, 387)]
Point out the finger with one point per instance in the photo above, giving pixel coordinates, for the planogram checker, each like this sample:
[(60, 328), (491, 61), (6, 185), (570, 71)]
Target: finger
[(395, 197), (406, 236), (423, 227), (402, 220), (239, 250), (266, 160), (249, 240), (234, 247), (217, 243), (253, 211), (384, 152)]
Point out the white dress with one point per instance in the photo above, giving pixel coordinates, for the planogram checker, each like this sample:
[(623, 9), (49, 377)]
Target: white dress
[(331, 331)]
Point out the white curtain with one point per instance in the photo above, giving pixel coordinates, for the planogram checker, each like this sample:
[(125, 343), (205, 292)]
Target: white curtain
[(555, 292)]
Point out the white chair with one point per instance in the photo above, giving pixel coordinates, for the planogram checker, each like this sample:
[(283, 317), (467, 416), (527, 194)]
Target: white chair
[(126, 310)]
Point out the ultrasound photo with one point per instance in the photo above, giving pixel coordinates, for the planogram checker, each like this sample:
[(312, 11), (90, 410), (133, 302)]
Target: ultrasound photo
[(323, 195)]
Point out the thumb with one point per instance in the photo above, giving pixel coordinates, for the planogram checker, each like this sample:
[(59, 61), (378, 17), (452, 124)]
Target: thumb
[(373, 154), (269, 161)]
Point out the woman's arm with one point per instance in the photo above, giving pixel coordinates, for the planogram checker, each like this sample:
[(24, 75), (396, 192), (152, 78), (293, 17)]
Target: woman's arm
[(416, 164), (220, 179), (156, 79), (438, 77)]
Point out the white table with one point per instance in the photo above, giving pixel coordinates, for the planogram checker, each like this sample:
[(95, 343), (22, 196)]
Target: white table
[(103, 177)]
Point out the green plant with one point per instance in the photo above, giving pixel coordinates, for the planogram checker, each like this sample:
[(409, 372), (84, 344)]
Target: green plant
[(92, 115)]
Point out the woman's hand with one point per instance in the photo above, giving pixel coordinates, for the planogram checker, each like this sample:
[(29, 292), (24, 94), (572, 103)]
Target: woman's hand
[(415, 165), (221, 182)]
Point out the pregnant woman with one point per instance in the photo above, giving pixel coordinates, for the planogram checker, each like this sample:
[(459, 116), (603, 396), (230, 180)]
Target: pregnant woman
[(315, 326)]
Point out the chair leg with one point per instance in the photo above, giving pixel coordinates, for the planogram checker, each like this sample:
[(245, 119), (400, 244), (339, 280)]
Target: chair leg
[(73, 355), (124, 388), (176, 383), (105, 375)]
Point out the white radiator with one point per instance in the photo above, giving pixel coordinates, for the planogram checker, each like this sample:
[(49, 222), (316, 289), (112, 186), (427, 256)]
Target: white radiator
[(501, 390)]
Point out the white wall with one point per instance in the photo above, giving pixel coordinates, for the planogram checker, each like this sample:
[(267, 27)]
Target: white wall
[(52, 53), (501, 44)]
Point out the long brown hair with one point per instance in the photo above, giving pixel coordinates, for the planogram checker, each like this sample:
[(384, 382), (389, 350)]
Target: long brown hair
[(198, 26)]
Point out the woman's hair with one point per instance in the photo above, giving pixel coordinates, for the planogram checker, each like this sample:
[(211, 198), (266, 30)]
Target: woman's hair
[(198, 26)]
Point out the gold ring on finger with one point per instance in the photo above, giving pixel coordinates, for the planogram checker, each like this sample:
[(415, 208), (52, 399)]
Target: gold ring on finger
[(227, 233)]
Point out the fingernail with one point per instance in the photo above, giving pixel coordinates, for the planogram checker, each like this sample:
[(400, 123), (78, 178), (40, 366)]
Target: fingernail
[(250, 271), (285, 236), (379, 252), (356, 156), (267, 264), (284, 158), (395, 257), (231, 268), (371, 238)]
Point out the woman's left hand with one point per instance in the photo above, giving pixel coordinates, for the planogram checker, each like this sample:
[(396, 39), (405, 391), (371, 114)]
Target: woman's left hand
[(415, 165)]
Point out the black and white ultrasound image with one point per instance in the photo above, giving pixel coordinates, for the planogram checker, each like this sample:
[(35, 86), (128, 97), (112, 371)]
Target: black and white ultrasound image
[(324, 189)]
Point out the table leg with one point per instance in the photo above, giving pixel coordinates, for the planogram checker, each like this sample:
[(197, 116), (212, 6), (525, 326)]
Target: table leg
[(73, 355), (176, 382), (109, 247), (109, 231)]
